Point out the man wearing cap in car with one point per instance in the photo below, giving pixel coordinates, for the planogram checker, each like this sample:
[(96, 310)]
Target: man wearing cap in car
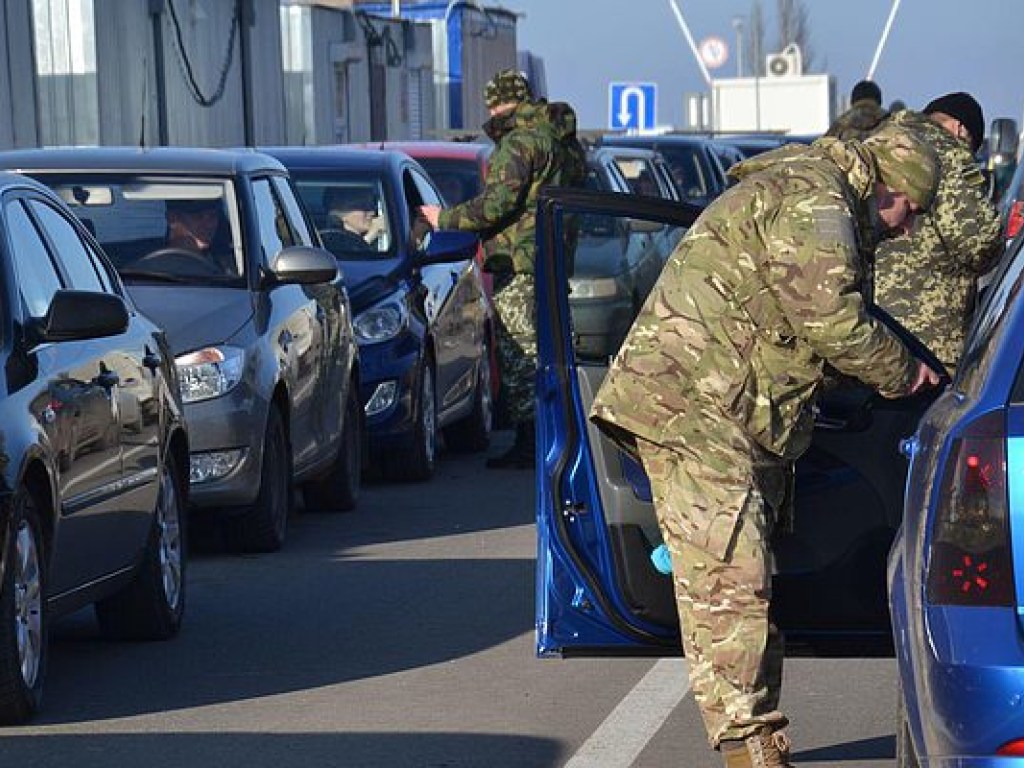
[(927, 279), (714, 385)]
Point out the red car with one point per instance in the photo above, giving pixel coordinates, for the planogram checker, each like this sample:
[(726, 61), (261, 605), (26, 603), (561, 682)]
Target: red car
[(458, 169)]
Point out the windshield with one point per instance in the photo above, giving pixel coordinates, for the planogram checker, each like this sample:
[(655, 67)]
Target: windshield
[(160, 229), (458, 180), (351, 213)]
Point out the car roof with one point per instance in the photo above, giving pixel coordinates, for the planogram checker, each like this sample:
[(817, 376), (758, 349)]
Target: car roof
[(177, 160), (369, 159), (655, 140), (456, 150)]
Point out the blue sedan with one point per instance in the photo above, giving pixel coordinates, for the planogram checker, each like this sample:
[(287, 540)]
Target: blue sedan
[(423, 323), (956, 570)]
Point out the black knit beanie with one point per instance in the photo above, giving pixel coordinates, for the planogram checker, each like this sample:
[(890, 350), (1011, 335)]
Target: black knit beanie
[(963, 107)]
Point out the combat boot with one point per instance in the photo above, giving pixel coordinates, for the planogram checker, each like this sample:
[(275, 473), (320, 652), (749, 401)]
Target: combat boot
[(522, 453), (764, 749)]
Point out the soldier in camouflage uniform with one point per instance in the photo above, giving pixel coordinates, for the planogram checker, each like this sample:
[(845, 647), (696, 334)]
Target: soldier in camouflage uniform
[(535, 146), (714, 384), (928, 279), (863, 116)]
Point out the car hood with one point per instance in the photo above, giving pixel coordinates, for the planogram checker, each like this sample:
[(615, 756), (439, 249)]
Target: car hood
[(194, 317), (370, 281)]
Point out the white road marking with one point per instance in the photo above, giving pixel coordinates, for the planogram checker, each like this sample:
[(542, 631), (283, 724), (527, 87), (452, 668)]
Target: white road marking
[(620, 739)]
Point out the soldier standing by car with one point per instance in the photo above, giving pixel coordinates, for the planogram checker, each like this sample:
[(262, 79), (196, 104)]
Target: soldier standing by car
[(928, 279), (713, 389), (535, 147), (863, 116)]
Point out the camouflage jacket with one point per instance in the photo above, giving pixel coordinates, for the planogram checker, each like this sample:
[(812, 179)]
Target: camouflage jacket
[(928, 279), (758, 294), (536, 146), (858, 121)]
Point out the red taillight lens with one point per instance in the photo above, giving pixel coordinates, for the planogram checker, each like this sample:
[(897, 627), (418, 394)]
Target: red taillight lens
[(1012, 749), (1015, 220), (970, 560)]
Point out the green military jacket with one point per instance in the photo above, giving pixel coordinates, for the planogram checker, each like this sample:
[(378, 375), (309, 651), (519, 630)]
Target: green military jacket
[(760, 292), (535, 147), (928, 279), (858, 121)]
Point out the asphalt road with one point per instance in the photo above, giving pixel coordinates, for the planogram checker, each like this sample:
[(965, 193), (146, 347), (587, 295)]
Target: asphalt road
[(401, 635)]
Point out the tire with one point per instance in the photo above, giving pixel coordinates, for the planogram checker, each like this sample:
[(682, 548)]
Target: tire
[(417, 464), (905, 757), (23, 623), (473, 433), (153, 605), (338, 490), (264, 527)]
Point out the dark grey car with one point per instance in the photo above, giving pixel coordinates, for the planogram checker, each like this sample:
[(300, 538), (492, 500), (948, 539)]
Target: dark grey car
[(255, 311)]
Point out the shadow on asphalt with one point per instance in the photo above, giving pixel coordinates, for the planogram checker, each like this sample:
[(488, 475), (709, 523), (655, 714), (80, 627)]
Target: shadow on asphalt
[(256, 750), (878, 748)]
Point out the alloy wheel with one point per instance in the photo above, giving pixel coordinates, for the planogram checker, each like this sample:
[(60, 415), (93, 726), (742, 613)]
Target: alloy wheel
[(28, 603)]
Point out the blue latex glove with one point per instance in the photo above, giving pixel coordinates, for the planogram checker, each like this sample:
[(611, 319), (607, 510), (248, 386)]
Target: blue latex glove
[(661, 559)]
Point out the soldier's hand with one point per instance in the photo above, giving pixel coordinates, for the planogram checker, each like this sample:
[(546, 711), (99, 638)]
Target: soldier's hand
[(926, 378), (430, 213)]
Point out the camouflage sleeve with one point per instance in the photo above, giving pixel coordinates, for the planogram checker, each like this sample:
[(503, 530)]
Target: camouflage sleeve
[(505, 189), (814, 261), (963, 221)]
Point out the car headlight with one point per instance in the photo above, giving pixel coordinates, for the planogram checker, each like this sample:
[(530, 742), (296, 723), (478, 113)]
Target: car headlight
[(596, 288), (210, 372), (381, 322)]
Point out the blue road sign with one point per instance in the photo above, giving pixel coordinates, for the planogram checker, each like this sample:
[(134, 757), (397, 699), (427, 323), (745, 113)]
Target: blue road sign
[(632, 106)]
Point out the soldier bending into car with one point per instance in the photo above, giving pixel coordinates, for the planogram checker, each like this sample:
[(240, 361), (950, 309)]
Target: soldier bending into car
[(713, 389), (535, 147)]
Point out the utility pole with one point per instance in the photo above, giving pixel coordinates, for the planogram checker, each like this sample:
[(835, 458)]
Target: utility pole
[(156, 12), (737, 24), (246, 19)]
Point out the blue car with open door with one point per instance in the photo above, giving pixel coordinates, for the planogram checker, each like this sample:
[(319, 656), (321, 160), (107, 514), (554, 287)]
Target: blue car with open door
[(597, 588)]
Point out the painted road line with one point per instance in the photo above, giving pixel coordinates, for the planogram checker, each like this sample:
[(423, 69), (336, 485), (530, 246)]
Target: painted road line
[(620, 739)]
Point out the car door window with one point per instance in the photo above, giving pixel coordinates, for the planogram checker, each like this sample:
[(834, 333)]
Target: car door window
[(69, 248), (275, 233), (38, 278), (296, 217), (418, 191)]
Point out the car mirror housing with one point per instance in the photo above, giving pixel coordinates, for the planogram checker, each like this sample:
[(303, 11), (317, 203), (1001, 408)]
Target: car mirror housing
[(446, 246), (304, 265), (74, 315)]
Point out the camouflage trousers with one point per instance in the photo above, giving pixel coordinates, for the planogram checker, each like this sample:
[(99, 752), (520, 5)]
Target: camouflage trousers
[(516, 305), (734, 651)]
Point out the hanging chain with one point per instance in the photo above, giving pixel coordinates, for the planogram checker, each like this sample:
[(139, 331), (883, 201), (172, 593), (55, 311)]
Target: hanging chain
[(186, 66)]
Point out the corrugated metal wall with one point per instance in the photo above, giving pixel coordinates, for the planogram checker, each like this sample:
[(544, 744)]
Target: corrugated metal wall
[(488, 46), (18, 122)]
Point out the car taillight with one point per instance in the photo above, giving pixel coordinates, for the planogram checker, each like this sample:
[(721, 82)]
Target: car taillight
[(970, 561), (1012, 749), (1015, 220)]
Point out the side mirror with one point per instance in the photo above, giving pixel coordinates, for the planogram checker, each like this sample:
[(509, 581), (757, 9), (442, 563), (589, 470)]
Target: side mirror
[(1003, 138), (75, 315), (447, 246), (304, 265)]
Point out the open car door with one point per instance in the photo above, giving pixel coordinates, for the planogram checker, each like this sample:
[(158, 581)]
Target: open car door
[(597, 588)]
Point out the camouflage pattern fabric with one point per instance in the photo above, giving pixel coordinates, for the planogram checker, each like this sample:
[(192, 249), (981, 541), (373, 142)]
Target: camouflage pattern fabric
[(858, 121), (928, 279), (536, 146), (516, 305), (507, 87), (735, 653)]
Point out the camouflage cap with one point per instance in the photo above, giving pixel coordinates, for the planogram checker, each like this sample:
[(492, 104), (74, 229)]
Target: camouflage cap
[(905, 163), (507, 87)]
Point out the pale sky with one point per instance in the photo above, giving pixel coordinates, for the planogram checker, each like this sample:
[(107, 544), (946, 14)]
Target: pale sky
[(934, 47)]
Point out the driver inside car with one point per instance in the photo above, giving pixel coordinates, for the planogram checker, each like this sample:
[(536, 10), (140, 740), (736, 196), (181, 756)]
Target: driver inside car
[(196, 226)]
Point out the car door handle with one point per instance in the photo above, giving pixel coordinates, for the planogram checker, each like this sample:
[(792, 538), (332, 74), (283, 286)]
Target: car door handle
[(152, 361)]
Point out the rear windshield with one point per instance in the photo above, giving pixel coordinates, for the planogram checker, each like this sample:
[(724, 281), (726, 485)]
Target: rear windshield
[(458, 180), (158, 228)]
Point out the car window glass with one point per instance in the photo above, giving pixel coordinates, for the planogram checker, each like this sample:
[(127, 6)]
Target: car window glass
[(426, 190), (351, 213), (639, 176), (688, 172), (68, 247), (293, 211), (37, 276), (158, 229), (270, 218), (989, 325), (458, 180)]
